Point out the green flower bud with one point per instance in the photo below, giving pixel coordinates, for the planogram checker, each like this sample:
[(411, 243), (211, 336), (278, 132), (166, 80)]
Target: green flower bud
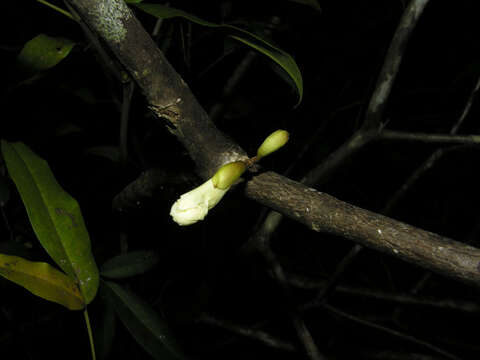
[(228, 174), (272, 143)]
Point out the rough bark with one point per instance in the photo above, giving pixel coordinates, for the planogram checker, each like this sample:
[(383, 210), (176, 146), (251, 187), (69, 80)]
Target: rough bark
[(170, 98), (324, 213)]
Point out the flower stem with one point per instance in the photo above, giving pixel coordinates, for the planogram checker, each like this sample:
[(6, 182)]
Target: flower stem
[(90, 335), (60, 10)]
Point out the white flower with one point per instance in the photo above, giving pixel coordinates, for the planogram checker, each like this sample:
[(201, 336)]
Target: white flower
[(194, 205)]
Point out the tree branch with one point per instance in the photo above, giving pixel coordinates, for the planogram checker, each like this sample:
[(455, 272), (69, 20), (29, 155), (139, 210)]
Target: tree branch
[(400, 298), (168, 96), (324, 213), (430, 138), (395, 333), (170, 99), (390, 67), (248, 332)]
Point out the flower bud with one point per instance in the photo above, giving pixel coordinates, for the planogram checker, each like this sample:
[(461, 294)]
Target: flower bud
[(272, 143), (228, 174), (194, 205)]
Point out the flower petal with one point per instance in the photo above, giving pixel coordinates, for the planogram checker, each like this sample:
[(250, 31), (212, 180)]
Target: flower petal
[(194, 205)]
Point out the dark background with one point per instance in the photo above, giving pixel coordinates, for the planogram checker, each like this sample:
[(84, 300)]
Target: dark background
[(75, 106)]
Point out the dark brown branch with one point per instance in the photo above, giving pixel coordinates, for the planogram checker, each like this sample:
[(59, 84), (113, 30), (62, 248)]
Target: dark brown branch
[(248, 332), (435, 156), (238, 74), (320, 174), (167, 94), (372, 125), (377, 354), (298, 322), (430, 138), (392, 332), (449, 304), (142, 189), (422, 169), (370, 130), (170, 98), (218, 108), (323, 213), (128, 89), (391, 64)]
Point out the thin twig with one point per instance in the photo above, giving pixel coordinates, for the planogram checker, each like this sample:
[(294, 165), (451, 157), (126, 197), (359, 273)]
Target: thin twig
[(59, 9), (434, 157), (377, 354), (372, 125), (391, 65), (323, 213), (418, 173), (321, 173), (128, 89), (369, 131), (389, 331), (218, 108), (238, 74), (430, 138), (249, 332), (412, 179), (303, 333), (342, 266), (468, 307)]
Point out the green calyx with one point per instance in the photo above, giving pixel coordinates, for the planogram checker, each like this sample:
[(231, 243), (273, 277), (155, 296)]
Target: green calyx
[(272, 143), (228, 174)]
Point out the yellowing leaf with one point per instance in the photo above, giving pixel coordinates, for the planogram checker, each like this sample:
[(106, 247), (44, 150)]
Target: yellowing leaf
[(42, 280), (55, 216)]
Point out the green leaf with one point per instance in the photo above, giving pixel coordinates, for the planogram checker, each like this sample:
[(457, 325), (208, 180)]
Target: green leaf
[(43, 52), (280, 57), (129, 264), (55, 216), (42, 280), (147, 328)]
